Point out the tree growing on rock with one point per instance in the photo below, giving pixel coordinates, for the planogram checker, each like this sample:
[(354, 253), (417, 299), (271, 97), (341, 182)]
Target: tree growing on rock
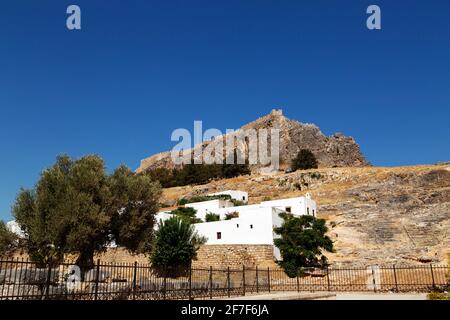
[(304, 160), (301, 243), (76, 208)]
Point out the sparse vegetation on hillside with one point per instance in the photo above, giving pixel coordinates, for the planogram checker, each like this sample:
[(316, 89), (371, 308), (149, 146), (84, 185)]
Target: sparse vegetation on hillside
[(302, 241), (304, 160), (193, 174)]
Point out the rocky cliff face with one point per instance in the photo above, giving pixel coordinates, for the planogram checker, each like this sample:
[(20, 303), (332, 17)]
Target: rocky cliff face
[(331, 151)]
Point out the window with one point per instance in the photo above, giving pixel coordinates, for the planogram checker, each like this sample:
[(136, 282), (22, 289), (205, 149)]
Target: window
[(307, 210), (288, 209), (243, 197), (314, 212), (237, 225), (219, 235), (251, 226)]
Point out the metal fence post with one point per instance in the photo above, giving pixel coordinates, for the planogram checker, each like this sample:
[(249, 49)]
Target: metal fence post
[(432, 275), (257, 282), (395, 278), (210, 283), (328, 279), (243, 278), (134, 280), (97, 275), (47, 283), (228, 281), (165, 283), (373, 280), (268, 278), (190, 282)]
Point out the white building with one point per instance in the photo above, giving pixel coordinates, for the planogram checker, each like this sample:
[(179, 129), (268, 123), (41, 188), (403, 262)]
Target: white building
[(254, 224), (14, 227), (234, 194), (211, 206)]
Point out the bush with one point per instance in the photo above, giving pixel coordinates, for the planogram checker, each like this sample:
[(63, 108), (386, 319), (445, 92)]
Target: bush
[(175, 246), (304, 160), (438, 296), (211, 217), (187, 214), (184, 201), (231, 215)]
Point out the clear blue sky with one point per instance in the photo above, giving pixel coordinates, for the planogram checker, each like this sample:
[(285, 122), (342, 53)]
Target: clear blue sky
[(139, 69)]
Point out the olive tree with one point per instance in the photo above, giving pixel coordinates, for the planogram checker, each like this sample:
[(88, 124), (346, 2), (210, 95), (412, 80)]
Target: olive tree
[(77, 208)]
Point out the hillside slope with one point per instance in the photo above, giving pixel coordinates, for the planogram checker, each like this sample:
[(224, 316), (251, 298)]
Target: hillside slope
[(375, 215)]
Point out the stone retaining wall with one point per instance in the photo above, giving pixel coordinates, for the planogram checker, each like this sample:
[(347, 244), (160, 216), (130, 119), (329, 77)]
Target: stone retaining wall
[(217, 256)]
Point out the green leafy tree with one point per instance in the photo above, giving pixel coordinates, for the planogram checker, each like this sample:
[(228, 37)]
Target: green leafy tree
[(134, 205), (193, 174), (76, 208), (8, 240), (175, 246), (301, 243), (187, 214), (304, 160), (211, 217)]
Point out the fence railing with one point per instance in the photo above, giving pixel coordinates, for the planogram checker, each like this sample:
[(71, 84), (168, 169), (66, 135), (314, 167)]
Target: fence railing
[(21, 279)]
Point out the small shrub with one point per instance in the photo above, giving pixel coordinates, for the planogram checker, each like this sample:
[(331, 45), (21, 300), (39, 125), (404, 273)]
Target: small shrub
[(211, 217), (304, 160), (187, 214), (231, 215), (438, 296), (193, 199), (316, 175)]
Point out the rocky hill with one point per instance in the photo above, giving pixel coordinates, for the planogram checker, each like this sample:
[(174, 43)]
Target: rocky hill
[(331, 151), (375, 215)]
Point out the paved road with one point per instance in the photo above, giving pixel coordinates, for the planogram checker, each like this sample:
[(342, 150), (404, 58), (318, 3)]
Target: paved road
[(287, 296), (331, 296), (381, 296)]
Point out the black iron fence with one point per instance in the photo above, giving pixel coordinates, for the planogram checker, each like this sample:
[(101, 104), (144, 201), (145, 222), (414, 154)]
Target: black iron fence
[(21, 279)]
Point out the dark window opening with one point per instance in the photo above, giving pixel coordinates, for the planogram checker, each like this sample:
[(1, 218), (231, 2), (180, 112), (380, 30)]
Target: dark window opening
[(251, 226), (307, 210), (243, 198), (288, 209), (237, 225), (219, 235)]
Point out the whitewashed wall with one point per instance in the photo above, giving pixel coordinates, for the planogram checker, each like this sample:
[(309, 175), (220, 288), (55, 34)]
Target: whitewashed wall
[(212, 206), (234, 194)]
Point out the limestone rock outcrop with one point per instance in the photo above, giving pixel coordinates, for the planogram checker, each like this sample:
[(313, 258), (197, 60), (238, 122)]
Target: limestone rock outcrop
[(336, 150)]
